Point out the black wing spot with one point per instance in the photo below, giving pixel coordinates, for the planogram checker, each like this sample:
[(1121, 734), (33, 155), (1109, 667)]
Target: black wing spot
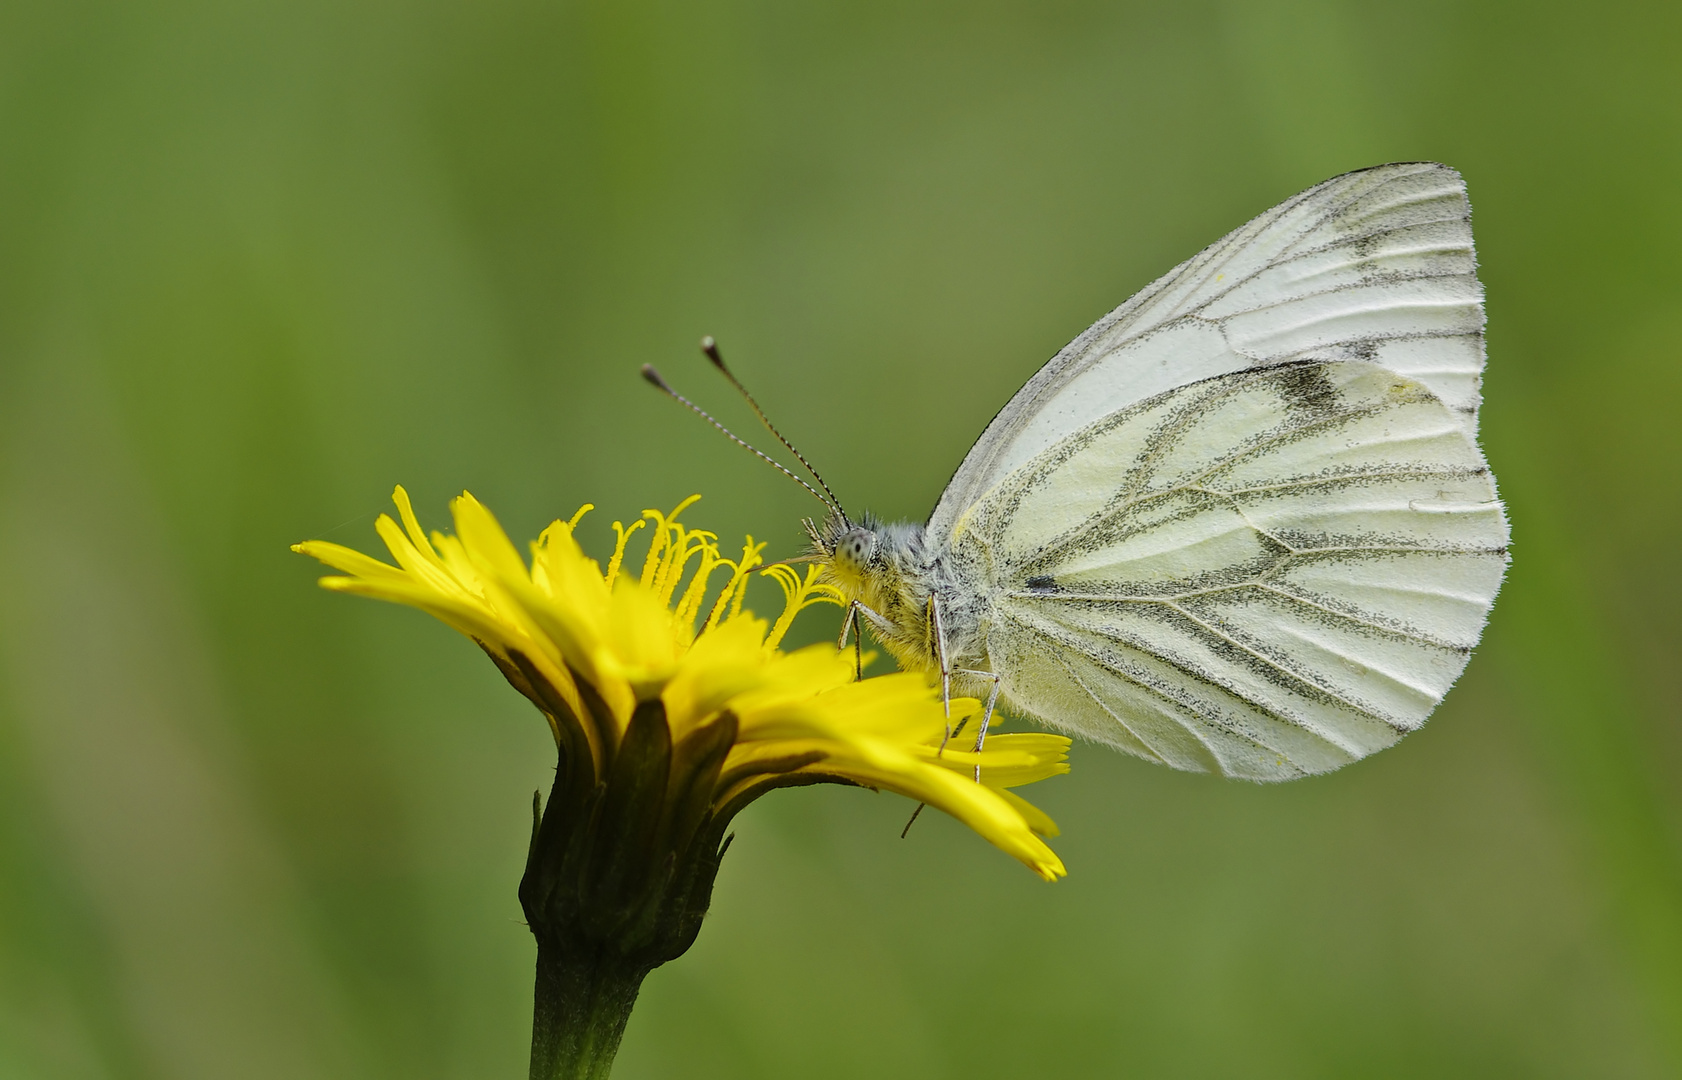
[(1307, 387), (1042, 583)]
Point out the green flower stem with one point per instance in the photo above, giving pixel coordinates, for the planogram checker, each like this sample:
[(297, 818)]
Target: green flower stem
[(580, 1006)]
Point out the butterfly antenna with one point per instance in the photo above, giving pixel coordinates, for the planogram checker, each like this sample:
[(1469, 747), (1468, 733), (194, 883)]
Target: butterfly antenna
[(653, 377), (710, 347)]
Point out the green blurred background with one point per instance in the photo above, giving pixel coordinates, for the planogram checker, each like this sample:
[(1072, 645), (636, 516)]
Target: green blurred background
[(261, 260)]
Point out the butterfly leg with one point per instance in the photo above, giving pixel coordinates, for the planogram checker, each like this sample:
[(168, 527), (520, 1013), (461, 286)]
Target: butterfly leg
[(946, 673), (857, 618), (980, 737), (987, 714), (940, 658), (939, 635), (849, 623)]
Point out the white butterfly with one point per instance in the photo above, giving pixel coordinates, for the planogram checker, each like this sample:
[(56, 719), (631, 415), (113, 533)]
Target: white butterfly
[(1242, 524)]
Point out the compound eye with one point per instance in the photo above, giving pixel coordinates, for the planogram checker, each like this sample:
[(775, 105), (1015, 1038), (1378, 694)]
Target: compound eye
[(856, 548)]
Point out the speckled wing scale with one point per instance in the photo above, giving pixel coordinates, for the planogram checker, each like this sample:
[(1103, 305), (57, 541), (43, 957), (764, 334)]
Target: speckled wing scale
[(1242, 524)]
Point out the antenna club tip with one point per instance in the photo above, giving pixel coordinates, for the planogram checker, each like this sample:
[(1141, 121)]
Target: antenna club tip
[(710, 347), (653, 377)]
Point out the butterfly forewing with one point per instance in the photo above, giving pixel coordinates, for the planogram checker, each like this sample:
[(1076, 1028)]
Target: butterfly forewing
[(1375, 265), (1262, 574)]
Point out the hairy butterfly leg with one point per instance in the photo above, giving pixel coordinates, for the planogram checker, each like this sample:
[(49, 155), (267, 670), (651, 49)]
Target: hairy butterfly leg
[(939, 636), (987, 714), (849, 623), (946, 673)]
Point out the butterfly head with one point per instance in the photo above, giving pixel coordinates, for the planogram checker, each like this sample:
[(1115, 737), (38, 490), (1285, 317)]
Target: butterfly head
[(855, 550), (870, 560), (848, 546), (885, 567), (852, 550)]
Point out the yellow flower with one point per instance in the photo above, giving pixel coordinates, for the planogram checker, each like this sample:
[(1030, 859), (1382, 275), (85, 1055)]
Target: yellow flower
[(670, 714), (609, 656)]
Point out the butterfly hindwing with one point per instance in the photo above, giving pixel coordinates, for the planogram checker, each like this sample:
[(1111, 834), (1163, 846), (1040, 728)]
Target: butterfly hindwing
[(1261, 574)]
